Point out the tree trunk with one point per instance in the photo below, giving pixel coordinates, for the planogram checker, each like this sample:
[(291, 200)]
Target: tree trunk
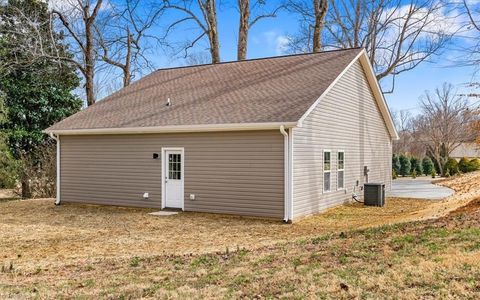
[(89, 87), (320, 7), (357, 26), (26, 192), (210, 8), (440, 167), (244, 6), (89, 63), (440, 161), (127, 76)]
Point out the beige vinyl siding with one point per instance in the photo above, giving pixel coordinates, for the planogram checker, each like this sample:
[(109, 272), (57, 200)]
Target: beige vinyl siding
[(348, 119), (466, 149), (229, 172)]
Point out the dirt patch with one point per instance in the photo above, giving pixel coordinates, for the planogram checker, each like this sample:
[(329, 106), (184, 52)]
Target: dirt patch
[(471, 208), (467, 189)]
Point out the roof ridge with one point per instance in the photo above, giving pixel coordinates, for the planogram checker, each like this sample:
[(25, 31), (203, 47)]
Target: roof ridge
[(220, 63), (256, 59)]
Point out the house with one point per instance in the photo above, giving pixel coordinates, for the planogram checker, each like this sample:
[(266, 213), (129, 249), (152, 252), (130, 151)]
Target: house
[(466, 149), (281, 137)]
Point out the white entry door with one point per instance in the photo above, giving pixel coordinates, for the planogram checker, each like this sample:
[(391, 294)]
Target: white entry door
[(173, 178)]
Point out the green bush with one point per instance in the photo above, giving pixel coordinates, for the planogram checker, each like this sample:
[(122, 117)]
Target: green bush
[(475, 164), (452, 166), (464, 165), (416, 165), (394, 174), (396, 163), (9, 168), (427, 166), (405, 165), (414, 174), (434, 174)]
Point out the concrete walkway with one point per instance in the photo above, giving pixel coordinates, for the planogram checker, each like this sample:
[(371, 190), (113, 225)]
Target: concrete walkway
[(421, 188)]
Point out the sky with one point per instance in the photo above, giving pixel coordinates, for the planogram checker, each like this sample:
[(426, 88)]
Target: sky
[(269, 37)]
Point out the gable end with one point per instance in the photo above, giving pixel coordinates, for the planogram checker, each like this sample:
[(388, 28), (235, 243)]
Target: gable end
[(362, 57)]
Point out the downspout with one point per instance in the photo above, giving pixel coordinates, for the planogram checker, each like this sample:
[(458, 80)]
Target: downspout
[(290, 174), (57, 139), (286, 173)]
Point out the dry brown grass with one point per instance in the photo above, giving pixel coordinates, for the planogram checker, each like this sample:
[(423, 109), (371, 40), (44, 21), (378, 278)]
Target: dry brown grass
[(91, 251), (7, 194), (51, 234)]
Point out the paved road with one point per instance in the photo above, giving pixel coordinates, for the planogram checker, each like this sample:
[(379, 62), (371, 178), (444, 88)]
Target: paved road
[(421, 187)]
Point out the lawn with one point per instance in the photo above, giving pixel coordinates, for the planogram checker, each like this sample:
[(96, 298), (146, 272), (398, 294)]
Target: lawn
[(7, 195), (350, 251)]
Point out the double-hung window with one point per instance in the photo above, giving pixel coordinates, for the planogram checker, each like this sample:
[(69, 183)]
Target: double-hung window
[(327, 167), (341, 170)]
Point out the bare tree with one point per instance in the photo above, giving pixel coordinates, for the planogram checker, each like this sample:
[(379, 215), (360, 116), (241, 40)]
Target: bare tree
[(407, 142), (197, 58), (312, 21), (476, 129), (125, 62), (472, 12), (445, 123), (246, 8), (320, 7), (34, 36), (403, 120), (122, 40), (79, 18), (403, 123), (206, 22), (397, 35)]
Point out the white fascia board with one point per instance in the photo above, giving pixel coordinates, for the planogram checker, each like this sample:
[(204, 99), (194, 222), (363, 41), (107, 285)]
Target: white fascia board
[(375, 87), (176, 128)]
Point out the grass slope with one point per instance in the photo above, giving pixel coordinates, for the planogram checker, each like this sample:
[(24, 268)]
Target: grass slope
[(435, 258), (429, 259)]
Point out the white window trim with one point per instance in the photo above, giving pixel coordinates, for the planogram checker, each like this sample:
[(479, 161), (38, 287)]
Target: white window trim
[(341, 188), (329, 171), (164, 151)]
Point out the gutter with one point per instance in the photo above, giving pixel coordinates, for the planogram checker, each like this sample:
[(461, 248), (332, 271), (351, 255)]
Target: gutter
[(57, 139), (174, 128)]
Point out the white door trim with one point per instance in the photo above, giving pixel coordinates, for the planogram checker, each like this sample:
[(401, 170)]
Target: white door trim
[(164, 151)]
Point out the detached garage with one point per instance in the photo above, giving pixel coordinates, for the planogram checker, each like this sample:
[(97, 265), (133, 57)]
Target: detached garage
[(281, 137)]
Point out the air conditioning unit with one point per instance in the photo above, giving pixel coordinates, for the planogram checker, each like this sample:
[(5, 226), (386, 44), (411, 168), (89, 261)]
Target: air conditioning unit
[(374, 194)]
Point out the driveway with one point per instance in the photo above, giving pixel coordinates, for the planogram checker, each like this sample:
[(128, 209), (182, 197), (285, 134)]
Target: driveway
[(421, 188)]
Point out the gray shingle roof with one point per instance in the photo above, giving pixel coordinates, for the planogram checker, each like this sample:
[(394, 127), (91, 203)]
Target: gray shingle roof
[(278, 89)]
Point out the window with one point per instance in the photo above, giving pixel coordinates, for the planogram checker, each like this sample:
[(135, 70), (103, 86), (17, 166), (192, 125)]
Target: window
[(326, 170), (175, 166), (341, 170)]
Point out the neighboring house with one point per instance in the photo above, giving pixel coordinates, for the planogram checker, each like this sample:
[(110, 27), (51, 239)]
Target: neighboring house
[(466, 149), (281, 137)]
